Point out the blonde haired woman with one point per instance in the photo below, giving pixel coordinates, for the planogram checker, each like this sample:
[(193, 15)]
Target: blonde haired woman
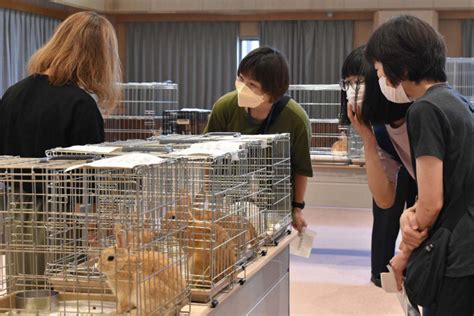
[(71, 76)]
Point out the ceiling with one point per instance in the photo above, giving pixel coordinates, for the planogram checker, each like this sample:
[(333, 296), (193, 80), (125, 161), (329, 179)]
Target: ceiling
[(255, 6)]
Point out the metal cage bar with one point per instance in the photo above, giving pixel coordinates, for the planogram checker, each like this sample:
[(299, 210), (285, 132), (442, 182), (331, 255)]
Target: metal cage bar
[(83, 232), (138, 115)]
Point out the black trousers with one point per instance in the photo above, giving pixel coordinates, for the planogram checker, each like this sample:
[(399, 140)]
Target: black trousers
[(386, 223)]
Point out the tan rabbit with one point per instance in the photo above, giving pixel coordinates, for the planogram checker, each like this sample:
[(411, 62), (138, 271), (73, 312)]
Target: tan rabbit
[(146, 280), (136, 240), (340, 146), (211, 252), (233, 224)]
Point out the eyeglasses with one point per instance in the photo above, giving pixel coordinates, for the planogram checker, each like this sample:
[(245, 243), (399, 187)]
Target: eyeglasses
[(345, 84)]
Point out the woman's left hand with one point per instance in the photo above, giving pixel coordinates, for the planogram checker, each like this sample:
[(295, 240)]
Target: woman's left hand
[(411, 235), (399, 265)]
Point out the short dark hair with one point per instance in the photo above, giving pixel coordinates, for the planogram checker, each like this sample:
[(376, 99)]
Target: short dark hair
[(268, 67), (409, 49), (355, 63)]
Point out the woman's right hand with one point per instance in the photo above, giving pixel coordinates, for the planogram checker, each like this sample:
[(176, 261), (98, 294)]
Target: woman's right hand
[(363, 130)]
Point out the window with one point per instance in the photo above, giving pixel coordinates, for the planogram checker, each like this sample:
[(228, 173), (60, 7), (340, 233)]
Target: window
[(246, 45)]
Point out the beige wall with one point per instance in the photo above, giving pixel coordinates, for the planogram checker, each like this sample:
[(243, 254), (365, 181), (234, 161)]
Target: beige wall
[(429, 16), (452, 33), (362, 32), (449, 28), (249, 29)]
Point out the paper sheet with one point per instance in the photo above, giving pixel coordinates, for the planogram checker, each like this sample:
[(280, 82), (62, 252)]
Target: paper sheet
[(92, 149), (302, 245), (212, 149), (128, 161), (389, 283)]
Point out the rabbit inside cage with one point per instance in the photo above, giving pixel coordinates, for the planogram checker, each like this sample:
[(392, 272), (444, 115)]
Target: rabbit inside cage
[(81, 235)]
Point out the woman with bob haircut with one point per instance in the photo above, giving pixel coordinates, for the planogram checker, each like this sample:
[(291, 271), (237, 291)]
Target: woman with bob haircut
[(381, 125), (71, 76), (410, 57), (259, 106)]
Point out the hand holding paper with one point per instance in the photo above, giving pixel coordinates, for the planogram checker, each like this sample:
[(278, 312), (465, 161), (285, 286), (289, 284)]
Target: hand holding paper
[(302, 245)]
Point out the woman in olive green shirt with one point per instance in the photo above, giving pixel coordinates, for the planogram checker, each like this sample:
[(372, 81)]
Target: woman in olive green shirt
[(263, 79)]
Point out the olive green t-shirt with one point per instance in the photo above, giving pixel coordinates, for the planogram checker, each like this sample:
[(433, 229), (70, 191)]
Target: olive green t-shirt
[(227, 116)]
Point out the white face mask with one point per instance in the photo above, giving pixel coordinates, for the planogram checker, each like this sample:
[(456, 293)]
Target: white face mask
[(247, 98), (396, 95), (351, 96)]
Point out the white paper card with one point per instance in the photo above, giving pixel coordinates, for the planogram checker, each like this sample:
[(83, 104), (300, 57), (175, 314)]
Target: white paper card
[(91, 149), (302, 245), (213, 149), (128, 161), (389, 283)]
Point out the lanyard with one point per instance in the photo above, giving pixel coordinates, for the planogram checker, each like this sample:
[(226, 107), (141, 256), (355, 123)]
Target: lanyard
[(266, 121)]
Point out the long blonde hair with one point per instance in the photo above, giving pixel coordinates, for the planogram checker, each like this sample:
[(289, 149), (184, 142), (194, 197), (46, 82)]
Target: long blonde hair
[(83, 50)]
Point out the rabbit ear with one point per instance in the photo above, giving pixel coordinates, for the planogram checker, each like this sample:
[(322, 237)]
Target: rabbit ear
[(117, 228), (121, 238)]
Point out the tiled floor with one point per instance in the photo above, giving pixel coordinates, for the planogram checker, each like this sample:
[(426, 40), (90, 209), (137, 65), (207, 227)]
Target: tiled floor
[(335, 279)]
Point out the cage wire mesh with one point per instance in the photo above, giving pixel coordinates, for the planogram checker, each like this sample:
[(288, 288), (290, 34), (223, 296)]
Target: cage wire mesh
[(220, 235), (185, 121), (139, 112), (90, 240), (322, 104), (460, 73), (269, 189), (268, 171), (218, 228)]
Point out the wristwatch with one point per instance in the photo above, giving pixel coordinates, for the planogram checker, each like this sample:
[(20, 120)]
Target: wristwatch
[(298, 205)]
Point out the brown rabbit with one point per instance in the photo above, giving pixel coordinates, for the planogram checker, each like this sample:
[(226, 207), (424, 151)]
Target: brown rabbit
[(145, 280), (211, 252)]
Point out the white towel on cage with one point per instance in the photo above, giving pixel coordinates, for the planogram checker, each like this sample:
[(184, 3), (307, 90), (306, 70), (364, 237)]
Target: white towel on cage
[(91, 149), (212, 149), (128, 161)]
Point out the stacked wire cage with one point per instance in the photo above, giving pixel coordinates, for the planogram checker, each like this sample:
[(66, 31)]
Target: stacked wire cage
[(322, 104), (218, 230), (90, 240), (270, 177), (139, 112), (217, 234), (185, 121), (267, 169), (460, 73)]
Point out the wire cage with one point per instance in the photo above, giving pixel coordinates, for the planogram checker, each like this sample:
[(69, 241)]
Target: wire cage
[(267, 168), (108, 149), (269, 185), (89, 240), (460, 73), (322, 104), (355, 146), (222, 233), (217, 234), (138, 114), (185, 121)]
